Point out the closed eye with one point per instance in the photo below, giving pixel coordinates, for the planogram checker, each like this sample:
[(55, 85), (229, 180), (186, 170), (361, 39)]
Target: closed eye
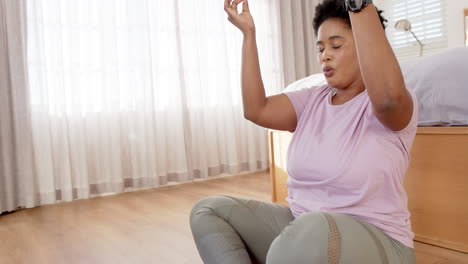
[(320, 50)]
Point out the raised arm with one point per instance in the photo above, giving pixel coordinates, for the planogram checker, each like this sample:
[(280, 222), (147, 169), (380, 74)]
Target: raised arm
[(380, 70), (276, 112)]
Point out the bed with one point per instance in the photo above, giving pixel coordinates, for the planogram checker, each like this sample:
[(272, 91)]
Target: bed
[(437, 178)]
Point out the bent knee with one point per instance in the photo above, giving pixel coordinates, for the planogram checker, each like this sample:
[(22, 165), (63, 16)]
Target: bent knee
[(204, 205), (213, 205)]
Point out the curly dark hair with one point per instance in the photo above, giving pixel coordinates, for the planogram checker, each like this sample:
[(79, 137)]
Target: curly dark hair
[(336, 9)]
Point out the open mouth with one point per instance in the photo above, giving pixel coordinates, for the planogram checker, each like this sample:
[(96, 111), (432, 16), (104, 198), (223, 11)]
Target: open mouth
[(328, 72)]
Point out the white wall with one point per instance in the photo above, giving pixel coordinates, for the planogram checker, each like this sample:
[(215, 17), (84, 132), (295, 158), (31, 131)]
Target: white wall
[(456, 37), (378, 3)]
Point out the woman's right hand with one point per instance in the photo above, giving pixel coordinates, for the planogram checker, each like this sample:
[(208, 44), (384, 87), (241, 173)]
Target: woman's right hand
[(243, 21)]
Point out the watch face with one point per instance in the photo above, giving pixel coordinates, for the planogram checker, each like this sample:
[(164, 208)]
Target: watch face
[(355, 4)]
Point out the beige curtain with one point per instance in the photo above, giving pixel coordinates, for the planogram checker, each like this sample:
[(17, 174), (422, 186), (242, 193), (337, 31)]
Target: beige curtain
[(16, 155), (65, 136), (298, 39), (122, 96)]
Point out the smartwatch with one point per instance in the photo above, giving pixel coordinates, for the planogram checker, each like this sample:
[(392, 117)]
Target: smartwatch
[(356, 5)]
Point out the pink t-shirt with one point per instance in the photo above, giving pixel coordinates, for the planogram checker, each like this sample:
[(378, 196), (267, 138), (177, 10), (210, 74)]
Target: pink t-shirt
[(342, 159)]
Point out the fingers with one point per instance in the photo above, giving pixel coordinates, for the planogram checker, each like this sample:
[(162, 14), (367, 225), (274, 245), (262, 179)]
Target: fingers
[(235, 3), (228, 8), (245, 6), (231, 7)]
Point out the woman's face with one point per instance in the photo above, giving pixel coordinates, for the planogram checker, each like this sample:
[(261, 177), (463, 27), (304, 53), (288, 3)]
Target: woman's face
[(337, 53)]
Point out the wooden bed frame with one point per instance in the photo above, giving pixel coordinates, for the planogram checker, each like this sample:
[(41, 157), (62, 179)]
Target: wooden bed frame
[(436, 183)]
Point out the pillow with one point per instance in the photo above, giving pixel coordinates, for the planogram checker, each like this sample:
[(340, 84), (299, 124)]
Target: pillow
[(440, 83)]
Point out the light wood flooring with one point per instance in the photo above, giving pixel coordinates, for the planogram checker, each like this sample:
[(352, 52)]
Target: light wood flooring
[(149, 226)]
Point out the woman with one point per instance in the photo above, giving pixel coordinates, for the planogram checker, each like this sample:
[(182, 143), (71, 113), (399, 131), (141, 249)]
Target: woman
[(346, 161)]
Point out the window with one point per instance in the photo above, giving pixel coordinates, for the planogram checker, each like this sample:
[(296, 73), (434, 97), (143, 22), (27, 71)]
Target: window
[(428, 22), (88, 56)]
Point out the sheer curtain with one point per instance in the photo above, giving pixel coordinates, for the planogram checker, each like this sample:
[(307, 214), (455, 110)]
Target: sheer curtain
[(298, 39), (128, 94)]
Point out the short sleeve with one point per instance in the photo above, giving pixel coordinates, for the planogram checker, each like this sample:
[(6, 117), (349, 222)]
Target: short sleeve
[(299, 99)]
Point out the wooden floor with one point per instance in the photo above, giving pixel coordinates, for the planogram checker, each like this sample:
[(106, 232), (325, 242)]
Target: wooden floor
[(149, 226)]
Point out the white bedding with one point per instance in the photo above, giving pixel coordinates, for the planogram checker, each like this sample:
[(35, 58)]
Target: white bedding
[(440, 83)]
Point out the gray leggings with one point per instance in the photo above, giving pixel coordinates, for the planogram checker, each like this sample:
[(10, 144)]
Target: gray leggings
[(231, 230)]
